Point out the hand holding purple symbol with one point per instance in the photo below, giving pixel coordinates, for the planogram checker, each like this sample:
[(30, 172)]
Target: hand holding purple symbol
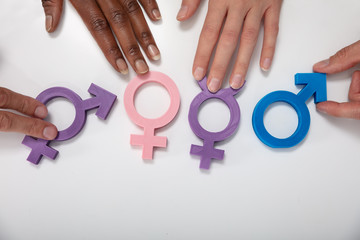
[(208, 152), (103, 100)]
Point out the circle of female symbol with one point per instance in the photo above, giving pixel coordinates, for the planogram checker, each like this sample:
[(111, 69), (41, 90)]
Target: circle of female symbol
[(103, 99), (149, 140), (208, 152)]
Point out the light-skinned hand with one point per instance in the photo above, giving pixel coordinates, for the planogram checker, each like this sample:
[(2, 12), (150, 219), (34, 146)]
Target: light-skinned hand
[(344, 59), (32, 124), (240, 19)]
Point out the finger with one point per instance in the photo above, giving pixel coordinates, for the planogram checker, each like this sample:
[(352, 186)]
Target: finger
[(187, 9), (208, 38), (53, 10), (248, 41), (344, 110), (151, 9), (141, 29), (21, 103), (354, 90), (99, 28), (10, 122), (225, 48), (271, 29), (344, 59)]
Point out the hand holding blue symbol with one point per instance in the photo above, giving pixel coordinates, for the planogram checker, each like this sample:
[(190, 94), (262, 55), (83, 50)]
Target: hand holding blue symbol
[(103, 100), (315, 85), (208, 151)]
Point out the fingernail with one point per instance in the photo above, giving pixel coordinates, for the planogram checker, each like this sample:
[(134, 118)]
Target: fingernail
[(237, 81), (156, 14), (322, 64), (50, 133), (121, 64), (48, 22), (321, 108), (182, 12), (266, 64), (214, 85), (141, 66), (199, 73), (40, 112), (154, 52)]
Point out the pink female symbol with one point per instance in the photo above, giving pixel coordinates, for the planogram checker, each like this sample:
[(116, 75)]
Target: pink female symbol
[(208, 151), (149, 140)]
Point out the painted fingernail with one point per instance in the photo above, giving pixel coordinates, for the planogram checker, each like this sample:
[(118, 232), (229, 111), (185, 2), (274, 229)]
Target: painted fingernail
[(214, 85), (321, 108), (182, 12), (237, 81), (40, 112), (266, 64), (50, 133), (199, 73), (121, 64), (156, 13), (154, 52), (141, 66), (322, 64), (48, 22)]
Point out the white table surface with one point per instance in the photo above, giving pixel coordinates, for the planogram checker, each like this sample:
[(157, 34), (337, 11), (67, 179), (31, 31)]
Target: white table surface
[(99, 187)]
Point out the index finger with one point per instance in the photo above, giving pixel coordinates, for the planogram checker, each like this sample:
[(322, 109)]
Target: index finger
[(344, 59), (21, 103)]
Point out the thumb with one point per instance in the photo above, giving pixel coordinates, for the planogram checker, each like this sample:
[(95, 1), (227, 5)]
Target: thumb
[(52, 9), (188, 8), (344, 110), (344, 59)]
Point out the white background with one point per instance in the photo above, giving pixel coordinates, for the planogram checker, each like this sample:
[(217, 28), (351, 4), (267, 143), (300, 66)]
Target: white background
[(99, 187)]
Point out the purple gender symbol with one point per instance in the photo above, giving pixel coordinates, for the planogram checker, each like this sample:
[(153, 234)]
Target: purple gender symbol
[(208, 152), (103, 100)]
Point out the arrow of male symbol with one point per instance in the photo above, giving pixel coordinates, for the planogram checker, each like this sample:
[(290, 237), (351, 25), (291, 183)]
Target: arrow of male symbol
[(315, 84), (103, 100)]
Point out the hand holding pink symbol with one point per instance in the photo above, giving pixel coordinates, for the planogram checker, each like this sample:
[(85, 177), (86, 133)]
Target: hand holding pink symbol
[(149, 140)]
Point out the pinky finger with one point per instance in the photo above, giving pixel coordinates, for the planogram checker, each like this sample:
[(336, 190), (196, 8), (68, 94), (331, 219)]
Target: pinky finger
[(10, 122), (52, 9), (344, 110), (271, 29)]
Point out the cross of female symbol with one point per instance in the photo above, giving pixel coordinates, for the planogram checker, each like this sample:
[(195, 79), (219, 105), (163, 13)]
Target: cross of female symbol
[(149, 140), (208, 152), (103, 100)]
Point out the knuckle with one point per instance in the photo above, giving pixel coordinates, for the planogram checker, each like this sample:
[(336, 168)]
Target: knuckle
[(210, 32), (24, 106), (131, 6), (33, 128), (342, 54), (230, 37), (146, 36), (242, 66), (98, 24), (5, 122), (250, 34), (47, 3), (133, 50), (269, 49), (114, 51), (4, 97), (118, 17)]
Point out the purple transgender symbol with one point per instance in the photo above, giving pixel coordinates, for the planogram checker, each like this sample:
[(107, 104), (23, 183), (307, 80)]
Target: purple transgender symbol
[(103, 100), (208, 152)]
